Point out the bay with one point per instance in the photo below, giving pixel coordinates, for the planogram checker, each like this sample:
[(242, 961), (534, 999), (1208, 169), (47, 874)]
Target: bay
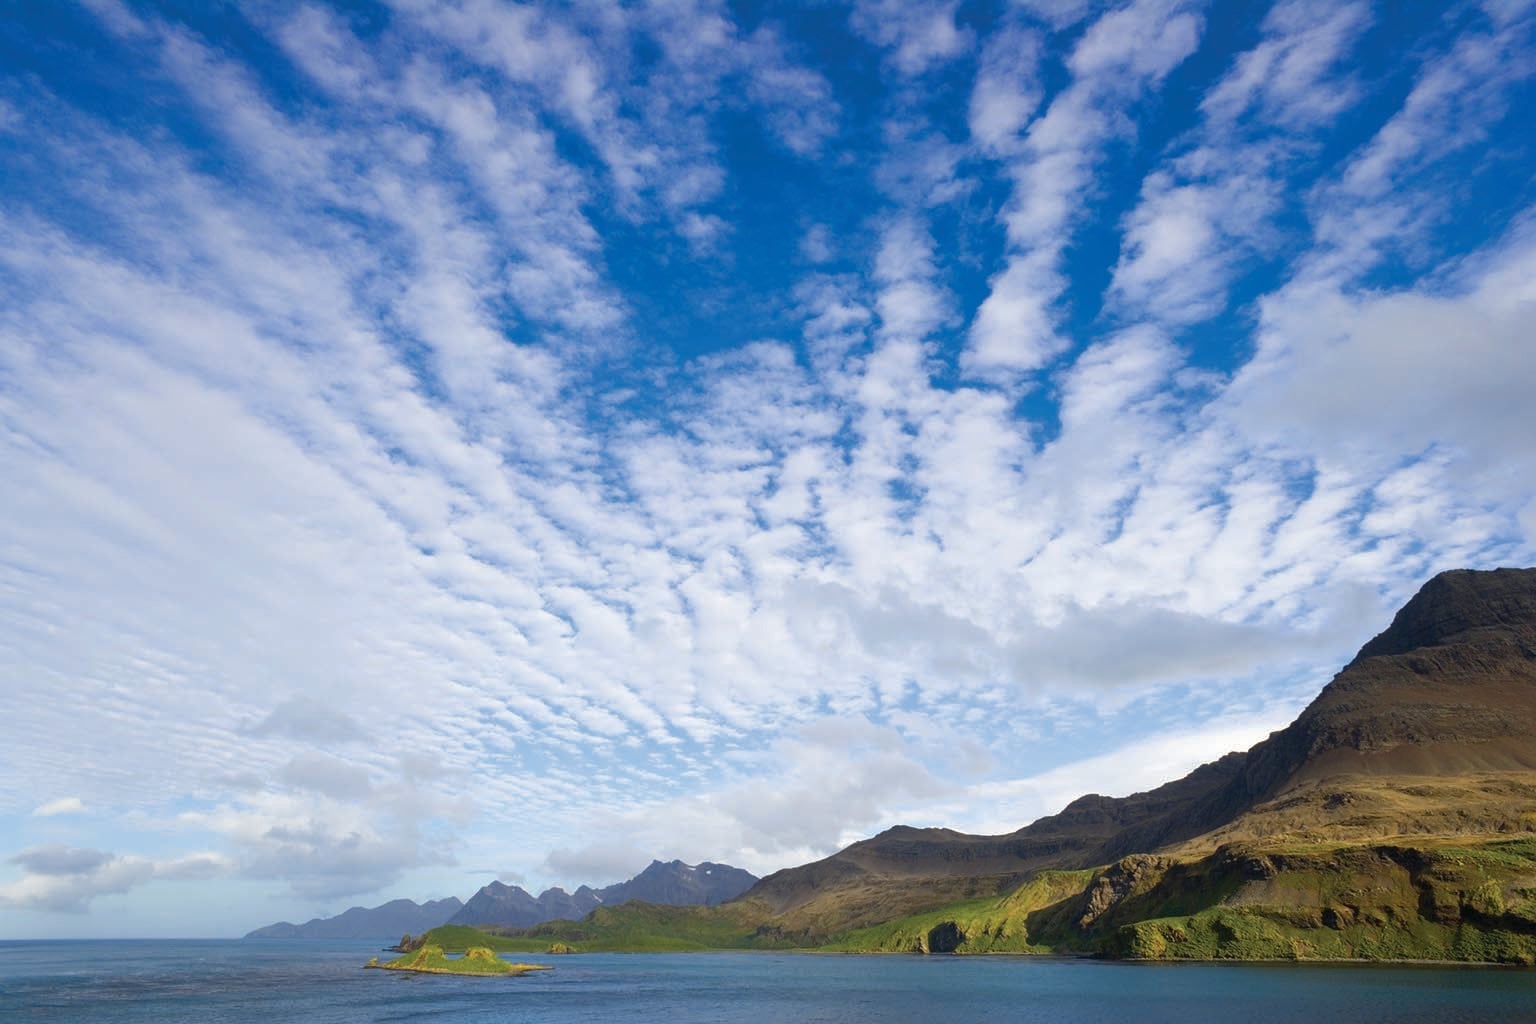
[(243, 982)]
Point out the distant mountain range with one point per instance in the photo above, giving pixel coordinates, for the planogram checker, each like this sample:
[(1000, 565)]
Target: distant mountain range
[(672, 884), (389, 921)]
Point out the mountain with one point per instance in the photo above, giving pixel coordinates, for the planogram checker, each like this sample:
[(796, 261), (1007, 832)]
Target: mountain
[(1447, 692), (671, 884), (389, 921), (512, 906), (678, 885)]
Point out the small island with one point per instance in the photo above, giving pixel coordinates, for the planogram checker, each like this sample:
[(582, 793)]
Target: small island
[(479, 961)]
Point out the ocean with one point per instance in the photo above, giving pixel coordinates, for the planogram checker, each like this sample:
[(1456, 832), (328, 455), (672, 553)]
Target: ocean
[(235, 982)]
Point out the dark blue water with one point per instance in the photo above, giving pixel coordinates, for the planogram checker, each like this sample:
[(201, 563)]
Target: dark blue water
[(270, 982)]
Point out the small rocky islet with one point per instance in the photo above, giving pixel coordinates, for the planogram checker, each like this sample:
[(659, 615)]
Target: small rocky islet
[(478, 961)]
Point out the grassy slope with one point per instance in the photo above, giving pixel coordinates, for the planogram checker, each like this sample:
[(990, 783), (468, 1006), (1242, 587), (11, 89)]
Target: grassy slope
[(1447, 900), (978, 926), (1427, 901)]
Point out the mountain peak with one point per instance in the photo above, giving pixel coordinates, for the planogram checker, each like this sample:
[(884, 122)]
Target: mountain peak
[(1456, 603)]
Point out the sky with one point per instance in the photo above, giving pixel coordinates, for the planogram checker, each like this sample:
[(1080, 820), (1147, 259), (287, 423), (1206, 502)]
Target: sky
[(446, 440)]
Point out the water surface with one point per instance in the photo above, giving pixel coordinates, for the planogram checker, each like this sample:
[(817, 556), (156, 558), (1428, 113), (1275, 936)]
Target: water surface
[(238, 982)]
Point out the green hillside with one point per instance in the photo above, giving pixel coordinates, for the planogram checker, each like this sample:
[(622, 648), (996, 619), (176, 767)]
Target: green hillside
[(1428, 901)]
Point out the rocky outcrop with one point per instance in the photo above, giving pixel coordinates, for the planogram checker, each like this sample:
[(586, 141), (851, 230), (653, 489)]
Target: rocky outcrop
[(1116, 882)]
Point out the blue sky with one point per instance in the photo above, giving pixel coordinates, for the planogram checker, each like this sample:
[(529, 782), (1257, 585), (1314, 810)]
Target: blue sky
[(448, 439)]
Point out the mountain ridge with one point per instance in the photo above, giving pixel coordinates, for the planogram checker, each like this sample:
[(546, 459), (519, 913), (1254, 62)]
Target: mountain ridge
[(1448, 687), (671, 883), (388, 920)]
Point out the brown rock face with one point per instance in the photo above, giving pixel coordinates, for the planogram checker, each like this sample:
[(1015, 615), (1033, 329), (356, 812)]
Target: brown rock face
[(1448, 688), (1446, 693), (1461, 607), (1117, 882)]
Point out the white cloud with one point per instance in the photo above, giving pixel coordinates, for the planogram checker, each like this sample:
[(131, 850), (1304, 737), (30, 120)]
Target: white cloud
[(1448, 103), (796, 101), (1058, 14), (597, 863), (999, 807), (63, 805), (1015, 327), (1291, 75), (832, 781), (67, 880), (1369, 378), (1007, 90), (61, 860), (304, 718), (1117, 58), (1387, 197), (816, 244), (1210, 210), (910, 304), (920, 167), (1182, 241), (918, 35), (1145, 39)]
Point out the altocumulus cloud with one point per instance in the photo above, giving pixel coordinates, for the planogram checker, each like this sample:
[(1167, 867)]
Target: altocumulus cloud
[(467, 433)]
